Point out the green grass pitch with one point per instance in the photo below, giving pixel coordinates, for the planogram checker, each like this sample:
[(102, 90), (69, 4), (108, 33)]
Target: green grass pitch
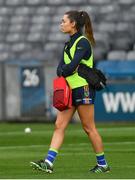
[(75, 157)]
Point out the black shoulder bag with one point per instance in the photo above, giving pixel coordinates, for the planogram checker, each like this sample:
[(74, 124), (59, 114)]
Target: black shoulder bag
[(93, 76)]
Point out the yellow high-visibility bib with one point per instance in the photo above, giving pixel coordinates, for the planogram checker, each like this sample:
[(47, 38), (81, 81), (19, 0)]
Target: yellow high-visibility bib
[(75, 80)]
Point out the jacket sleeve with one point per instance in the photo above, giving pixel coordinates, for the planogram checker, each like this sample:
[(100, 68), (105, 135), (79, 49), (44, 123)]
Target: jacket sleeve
[(59, 67), (83, 51)]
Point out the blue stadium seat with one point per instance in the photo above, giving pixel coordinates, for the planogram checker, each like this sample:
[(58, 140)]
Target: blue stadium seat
[(118, 69)]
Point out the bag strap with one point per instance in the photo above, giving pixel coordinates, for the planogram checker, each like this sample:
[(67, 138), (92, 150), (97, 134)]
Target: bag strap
[(67, 50)]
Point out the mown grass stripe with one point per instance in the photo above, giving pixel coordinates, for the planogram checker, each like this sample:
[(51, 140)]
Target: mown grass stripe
[(67, 146)]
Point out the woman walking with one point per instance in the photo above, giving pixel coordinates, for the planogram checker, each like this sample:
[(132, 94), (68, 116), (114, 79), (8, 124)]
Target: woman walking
[(77, 51)]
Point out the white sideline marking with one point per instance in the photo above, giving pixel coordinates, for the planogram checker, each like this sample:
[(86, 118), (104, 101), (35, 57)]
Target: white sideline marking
[(68, 145), (107, 129), (23, 133)]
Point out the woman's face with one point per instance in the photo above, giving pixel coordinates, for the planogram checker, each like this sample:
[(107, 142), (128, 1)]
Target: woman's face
[(67, 26)]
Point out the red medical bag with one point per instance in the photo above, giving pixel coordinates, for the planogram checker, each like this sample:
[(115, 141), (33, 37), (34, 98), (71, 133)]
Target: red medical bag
[(62, 94)]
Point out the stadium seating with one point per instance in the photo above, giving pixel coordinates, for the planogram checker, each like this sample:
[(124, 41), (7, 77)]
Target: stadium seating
[(28, 26), (115, 69), (131, 55), (116, 55)]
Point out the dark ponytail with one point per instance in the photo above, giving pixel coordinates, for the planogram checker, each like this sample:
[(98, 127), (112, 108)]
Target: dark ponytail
[(88, 27), (82, 20)]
